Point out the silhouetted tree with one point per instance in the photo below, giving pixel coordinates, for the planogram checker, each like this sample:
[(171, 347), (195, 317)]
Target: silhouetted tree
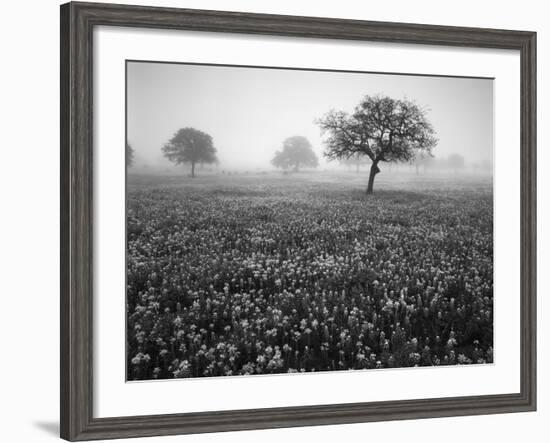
[(189, 145), (129, 156), (381, 128), (296, 152)]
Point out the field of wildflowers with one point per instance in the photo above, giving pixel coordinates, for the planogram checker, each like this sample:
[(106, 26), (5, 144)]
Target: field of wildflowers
[(233, 275)]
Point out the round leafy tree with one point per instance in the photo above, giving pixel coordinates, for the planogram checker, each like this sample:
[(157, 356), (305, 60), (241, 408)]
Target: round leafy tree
[(296, 153), (189, 145)]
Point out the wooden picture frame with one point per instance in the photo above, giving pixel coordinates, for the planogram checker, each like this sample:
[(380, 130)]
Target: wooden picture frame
[(77, 23)]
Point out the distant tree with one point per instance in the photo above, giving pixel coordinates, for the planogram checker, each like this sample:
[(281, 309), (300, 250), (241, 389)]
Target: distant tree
[(381, 128), (129, 156), (189, 145), (296, 153), (424, 160), (355, 161), (455, 162), (487, 165)]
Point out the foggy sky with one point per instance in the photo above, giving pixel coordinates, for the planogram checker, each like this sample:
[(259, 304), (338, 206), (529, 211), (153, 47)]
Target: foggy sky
[(250, 111)]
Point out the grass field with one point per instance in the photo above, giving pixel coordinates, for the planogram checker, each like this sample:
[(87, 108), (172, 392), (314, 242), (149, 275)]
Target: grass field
[(271, 273)]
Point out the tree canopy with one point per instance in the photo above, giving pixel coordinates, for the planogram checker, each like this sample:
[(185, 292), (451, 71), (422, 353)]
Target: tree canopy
[(296, 153), (381, 128), (189, 145)]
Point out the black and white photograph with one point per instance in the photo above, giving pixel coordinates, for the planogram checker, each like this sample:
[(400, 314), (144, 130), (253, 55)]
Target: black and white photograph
[(287, 221), (296, 221)]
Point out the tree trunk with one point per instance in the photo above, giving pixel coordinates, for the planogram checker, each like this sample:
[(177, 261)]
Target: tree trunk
[(373, 171), (192, 169)]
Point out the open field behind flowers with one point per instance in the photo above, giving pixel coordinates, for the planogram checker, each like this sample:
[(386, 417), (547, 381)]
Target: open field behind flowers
[(266, 273)]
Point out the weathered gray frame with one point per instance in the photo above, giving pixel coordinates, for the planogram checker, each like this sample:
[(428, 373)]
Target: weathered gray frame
[(77, 23)]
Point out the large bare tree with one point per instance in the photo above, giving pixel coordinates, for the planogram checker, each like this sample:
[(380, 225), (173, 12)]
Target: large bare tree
[(381, 128)]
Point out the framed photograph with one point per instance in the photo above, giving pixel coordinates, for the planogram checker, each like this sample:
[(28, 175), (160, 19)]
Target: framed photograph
[(272, 221)]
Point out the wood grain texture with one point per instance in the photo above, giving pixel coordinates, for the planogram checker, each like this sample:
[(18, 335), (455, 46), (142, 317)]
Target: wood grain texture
[(77, 23)]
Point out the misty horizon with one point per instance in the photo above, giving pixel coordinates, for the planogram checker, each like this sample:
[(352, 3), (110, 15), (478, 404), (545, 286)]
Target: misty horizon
[(249, 112)]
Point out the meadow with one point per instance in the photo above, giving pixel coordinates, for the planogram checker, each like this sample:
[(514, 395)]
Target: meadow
[(259, 273)]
